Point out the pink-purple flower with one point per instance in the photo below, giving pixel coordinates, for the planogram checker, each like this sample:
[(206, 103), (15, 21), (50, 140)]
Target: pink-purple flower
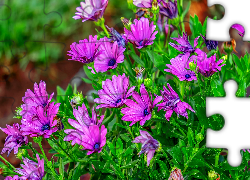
[(42, 123), (210, 44), (169, 9), (206, 66), (239, 28), (31, 169), (141, 111), (114, 92), (83, 119), (172, 103), (149, 145), (14, 140), (185, 45), (94, 138), (86, 51), (179, 66), (111, 55), (144, 3), (34, 99), (142, 34), (16, 177), (91, 10)]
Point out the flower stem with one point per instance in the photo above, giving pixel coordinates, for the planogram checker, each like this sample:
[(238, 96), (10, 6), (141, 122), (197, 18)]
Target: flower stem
[(7, 162), (40, 145)]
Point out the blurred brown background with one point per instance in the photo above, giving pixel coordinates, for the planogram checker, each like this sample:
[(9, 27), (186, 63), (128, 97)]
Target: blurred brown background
[(15, 80)]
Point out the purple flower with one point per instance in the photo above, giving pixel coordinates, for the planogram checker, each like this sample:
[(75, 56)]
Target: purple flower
[(31, 170), (247, 150), (141, 33), (144, 3), (39, 97), (207, 66), (14, 140), (94, 138), (115, 36), (172, 103), (114, 92), (184, 46), (83, 119), (149, 145), (91, 10), (141, 111), (43, 123), (16, 177), (177, 67), (86, 51), (169, 9), (239, 28), (210, 44), (110, 57)]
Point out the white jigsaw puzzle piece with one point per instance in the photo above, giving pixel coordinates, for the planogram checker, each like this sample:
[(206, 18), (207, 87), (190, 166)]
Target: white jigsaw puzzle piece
[(236, 12), (235, 134)]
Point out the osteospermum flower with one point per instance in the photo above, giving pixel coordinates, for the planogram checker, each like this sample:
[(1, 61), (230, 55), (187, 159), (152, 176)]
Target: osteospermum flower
[(86, 51), (172, 103), (114, 92), (34, 99), (110, 57), (185, 45), (207, 66), (142, 34), (31, 169), (149, 145), (82, 119), (179, 66), (94, 138), (239, 28), (144, 3), (169, 9), (43, 123), (141, 111), (115, 36), (14, 140), (91, 10), (16, 177), (210, 44)]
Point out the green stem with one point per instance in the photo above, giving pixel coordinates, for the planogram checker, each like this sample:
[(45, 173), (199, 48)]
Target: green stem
[(55, 141), (32, 149), (217, 157), (1, 157), (40, 145)]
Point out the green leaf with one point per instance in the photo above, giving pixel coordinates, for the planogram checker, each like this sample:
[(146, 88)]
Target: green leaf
[(130, 165), (158, 60), (217, 88), (119, 147), (88, 72), (87, 81), (191, 141), (125, 137), (111, 147), (136, 58), (163, 168), (61, 168)]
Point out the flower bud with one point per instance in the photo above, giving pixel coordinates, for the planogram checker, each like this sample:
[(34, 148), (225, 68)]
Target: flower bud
[(18, 111), (77, 99), (148, 82), (176, 174), (224, 59), (159, 148), (199, 137), (192, 66), (127, 23), (38, 139), (21, 153), (229, 46), (155, 7), (212, 175)]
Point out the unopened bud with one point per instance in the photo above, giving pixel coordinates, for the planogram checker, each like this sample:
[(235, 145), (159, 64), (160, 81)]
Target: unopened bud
[(230, 46), (155, 7), (77, 99), (21, 153), (212, 175), (199, 137), (192, 66), (127, 23), (148, 82)]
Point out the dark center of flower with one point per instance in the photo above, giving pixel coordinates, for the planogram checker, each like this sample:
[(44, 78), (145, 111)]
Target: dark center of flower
[(44, 104), (45, 127), (119, 100), (112, 62), (146, 112), (187, 76), (141, 42), (97, 146)]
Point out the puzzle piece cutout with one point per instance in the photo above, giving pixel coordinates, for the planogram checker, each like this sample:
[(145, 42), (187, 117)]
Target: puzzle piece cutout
[(234, 14), (235, 134)]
